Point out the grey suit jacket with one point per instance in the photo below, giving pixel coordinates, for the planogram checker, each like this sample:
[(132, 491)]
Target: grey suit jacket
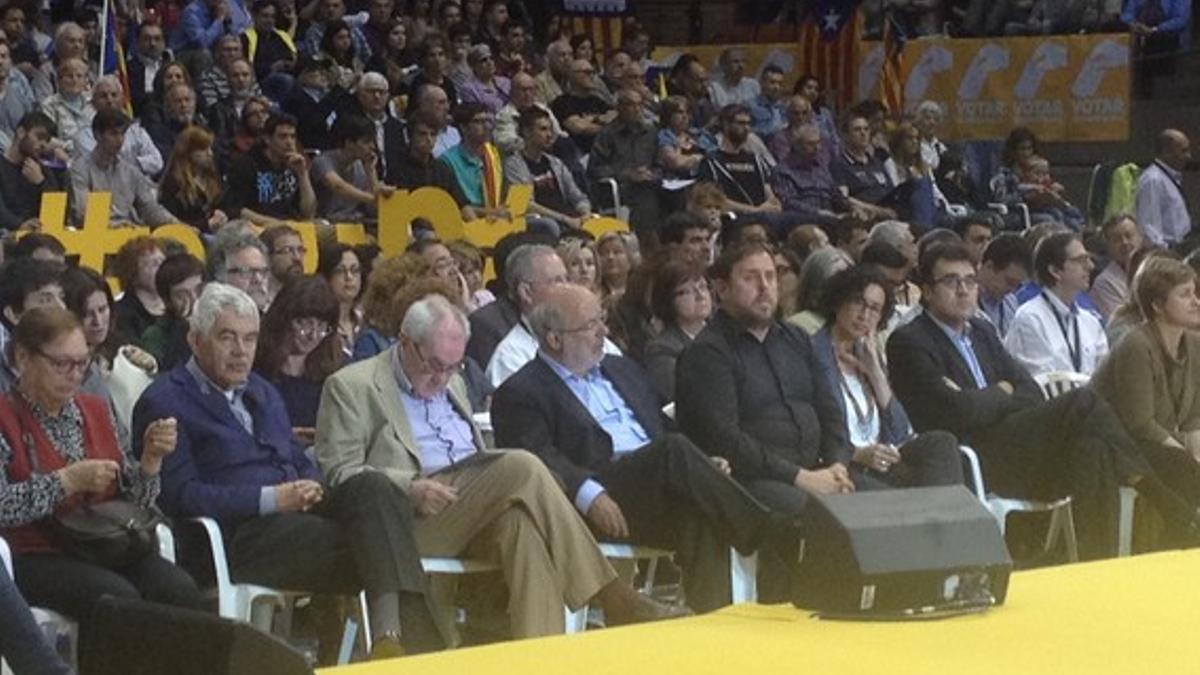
[(362, 424)]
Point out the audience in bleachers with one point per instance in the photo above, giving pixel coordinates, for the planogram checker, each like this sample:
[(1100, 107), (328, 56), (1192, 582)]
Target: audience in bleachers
[(856, 262)]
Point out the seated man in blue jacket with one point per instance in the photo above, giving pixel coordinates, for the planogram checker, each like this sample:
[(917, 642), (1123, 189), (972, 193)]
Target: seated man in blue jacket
[(237, 462)]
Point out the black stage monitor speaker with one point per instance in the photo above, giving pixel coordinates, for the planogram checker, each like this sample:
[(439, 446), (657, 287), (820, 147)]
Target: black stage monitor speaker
[(901, 553), (125, 637)]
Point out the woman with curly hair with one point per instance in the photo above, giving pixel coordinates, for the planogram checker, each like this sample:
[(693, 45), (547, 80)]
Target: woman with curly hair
[(191, 186), (299, 347), (135, 265), (386, 280)]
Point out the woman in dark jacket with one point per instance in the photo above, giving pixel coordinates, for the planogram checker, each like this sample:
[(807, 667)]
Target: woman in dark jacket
[(856, 301)]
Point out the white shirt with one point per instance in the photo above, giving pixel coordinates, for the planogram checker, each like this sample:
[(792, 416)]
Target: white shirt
[(1038, 337), (722, 93), (1110, 289), (862, 415), (518, 348), (1161, 211)]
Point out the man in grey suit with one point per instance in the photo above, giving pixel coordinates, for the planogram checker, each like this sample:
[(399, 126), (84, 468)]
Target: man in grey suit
[(405, 413)]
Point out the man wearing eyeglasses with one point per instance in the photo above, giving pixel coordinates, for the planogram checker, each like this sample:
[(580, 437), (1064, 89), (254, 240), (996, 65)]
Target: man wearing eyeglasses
[(286, 253), (1052, 332), (240, 259), (595, 420), (951, 372), (531, 271), (477, 165), (499, 506)]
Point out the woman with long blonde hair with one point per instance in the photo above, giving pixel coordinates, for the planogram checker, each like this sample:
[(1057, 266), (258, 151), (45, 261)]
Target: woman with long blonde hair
[(191, 186)]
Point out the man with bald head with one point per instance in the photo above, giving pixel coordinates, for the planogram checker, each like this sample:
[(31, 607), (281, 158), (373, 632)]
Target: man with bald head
[(497, 505), (804, 185), (799, 112), (523, 96), (139, 149), (1162, 210), (582, 111), (433, 104), (552, 81), (531, 272), (595, 420), (626, 150)]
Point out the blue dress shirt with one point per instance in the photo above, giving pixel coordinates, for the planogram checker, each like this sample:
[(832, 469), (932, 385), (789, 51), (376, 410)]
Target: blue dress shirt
[(604, 403)]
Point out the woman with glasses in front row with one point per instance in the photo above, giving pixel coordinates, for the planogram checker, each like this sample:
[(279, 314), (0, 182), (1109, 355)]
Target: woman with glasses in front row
[(58, 451), (856, 301), (299, 347), (681, 299)]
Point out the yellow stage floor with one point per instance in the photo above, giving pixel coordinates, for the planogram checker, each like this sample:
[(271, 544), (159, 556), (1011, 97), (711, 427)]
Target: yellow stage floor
[(1134, 616)]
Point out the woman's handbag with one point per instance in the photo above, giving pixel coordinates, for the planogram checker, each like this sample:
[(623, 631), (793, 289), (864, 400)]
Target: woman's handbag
[(113, 533)]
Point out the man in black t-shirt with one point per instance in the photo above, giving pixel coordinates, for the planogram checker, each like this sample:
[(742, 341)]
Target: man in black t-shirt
[(743, 175), (582, 113), (557, 200), (26, 172), (271, 184)]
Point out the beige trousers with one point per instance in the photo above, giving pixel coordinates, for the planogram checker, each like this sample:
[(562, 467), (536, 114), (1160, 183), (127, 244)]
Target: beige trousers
[(512, 512)]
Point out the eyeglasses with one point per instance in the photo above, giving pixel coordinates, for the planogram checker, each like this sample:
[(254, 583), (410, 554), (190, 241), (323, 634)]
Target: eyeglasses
[(1082, 258), (697, 292), (311, 328), (590, 326), (352, 271), (248, 271), (65, 366), (435, 368), (861, 305), (969, 282)]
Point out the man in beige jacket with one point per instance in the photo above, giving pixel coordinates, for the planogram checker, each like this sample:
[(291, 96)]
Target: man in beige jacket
[(405, 413)]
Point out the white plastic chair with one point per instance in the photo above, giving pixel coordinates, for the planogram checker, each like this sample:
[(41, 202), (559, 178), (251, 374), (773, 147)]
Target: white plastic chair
[(66, 626), (1058, 383), (1062, 518)]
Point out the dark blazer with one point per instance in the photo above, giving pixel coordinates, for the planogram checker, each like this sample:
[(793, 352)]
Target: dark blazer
[(217, 469), (489, 325), (136, 71), (534, 409), (894, 426), (769, 426), (922, 361), (395, 141), (312, 116)]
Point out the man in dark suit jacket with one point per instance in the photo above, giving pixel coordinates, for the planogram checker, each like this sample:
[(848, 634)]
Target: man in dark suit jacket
[(236, 461), (951, 372), (144, 63), (492, 322), (596, 422)]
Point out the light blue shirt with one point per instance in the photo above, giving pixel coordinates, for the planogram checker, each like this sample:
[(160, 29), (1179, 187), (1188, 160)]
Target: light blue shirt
[(999, 312), (962, 342), (768, 116), (443, 437), (604, 403)]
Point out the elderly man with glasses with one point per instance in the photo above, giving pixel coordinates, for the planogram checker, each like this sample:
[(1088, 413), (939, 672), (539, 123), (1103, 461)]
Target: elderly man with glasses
[(501, 505)]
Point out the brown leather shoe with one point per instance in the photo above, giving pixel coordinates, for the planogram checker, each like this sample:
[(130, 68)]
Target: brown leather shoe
[(644, 609), (386, 646)]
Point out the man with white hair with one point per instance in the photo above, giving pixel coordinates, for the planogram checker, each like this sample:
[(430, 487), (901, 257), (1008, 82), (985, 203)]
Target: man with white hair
[(928, 120), (898, 234), (371, 96), (238, 462), (553, 80), (138, 149), (530, 272), (499, 505)]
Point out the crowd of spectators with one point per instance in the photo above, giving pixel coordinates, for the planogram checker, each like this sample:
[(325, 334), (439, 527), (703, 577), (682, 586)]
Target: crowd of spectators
[(831, 304)]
